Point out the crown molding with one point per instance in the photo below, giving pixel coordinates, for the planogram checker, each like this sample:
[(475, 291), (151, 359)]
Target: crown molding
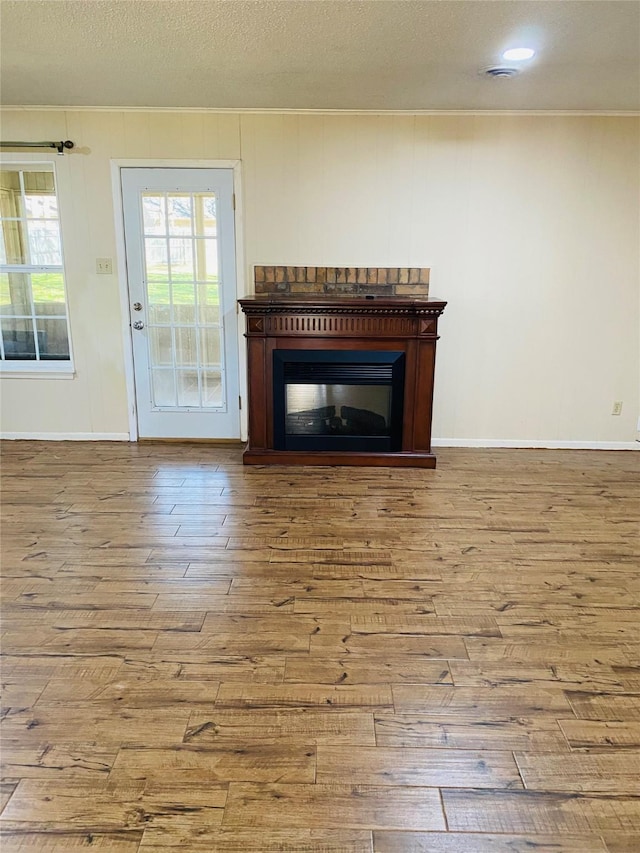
[(318, 112)]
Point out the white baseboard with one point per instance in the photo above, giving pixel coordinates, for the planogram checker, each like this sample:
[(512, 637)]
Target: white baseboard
[(535, 444), (436, 442), (65, 436)]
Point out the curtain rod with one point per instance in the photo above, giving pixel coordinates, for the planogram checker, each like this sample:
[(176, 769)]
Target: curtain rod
[(59, 146)]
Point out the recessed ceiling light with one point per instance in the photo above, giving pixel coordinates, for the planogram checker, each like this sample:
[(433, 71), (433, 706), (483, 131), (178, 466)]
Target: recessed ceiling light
[(518, 53)]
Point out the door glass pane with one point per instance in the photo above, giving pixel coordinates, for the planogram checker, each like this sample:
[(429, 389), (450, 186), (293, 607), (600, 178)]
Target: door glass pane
[(180, 214), (212, 388), (156, 259), (206, 250), (161, 346), (210, 347), (181, 257), (159, 295), (154, 214), (205, 219), (18, 339), (52, 339), (184, 302), (208, 303), (188, 393), (164, 387), (186, 347)]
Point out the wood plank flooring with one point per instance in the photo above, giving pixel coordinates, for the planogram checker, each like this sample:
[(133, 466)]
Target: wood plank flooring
[(199, 656)]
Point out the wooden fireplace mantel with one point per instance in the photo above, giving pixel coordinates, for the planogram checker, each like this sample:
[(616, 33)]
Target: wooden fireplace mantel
[(310, 322)]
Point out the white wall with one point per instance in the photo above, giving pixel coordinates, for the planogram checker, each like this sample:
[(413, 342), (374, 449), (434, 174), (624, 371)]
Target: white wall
[(530, 224)]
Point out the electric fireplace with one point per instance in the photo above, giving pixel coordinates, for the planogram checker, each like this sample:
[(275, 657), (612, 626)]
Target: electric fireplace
[(340, 380), (344, 400)]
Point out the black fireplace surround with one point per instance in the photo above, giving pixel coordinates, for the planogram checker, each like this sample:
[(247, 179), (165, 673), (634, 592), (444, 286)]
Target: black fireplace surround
[(338, 400)]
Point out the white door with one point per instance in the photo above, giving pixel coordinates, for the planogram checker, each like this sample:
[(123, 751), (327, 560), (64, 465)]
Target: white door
[(180, 249)]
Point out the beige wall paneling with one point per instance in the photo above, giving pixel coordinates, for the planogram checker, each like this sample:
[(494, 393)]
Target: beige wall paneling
[(529, 223)]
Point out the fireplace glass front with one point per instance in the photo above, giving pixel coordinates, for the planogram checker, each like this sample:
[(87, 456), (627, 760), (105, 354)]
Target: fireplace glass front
[(338, 400)]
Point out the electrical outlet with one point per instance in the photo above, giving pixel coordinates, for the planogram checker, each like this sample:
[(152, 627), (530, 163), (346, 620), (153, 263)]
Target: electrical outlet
[(617, 408), (104, 266)]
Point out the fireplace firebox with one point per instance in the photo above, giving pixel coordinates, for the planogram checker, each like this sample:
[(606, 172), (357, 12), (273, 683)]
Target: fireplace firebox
[(340, 380), (340, 401)]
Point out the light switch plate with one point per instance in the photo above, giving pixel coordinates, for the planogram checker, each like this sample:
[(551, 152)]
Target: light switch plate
[(104, 266)]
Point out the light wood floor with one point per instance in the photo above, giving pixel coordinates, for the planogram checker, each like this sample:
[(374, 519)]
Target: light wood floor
[(204, 657)]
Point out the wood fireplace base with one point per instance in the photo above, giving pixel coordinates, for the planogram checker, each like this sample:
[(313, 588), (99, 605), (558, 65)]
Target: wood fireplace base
[(323, 323), (327, 457)]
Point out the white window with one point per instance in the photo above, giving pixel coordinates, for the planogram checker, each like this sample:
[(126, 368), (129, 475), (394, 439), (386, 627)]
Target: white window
[(33, 307)]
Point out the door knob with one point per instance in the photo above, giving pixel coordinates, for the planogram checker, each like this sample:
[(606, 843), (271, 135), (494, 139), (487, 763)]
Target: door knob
[(138, 324)]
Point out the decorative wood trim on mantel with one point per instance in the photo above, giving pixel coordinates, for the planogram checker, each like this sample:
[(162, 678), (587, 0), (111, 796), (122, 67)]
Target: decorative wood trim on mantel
[(354, 316), (351, 309)]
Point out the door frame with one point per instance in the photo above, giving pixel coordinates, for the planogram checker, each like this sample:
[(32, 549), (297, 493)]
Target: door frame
[(123, 282)]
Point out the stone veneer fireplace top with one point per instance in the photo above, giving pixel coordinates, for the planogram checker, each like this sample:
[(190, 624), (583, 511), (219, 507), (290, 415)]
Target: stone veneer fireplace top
[(339, 281)]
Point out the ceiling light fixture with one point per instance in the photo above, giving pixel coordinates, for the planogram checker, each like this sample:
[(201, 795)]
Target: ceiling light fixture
[(517, 54)]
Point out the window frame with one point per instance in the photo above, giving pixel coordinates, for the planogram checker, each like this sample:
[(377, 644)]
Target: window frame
[(34, 368)]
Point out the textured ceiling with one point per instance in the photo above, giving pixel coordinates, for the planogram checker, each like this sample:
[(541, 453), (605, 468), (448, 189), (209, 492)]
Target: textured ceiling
[(320, 54)]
